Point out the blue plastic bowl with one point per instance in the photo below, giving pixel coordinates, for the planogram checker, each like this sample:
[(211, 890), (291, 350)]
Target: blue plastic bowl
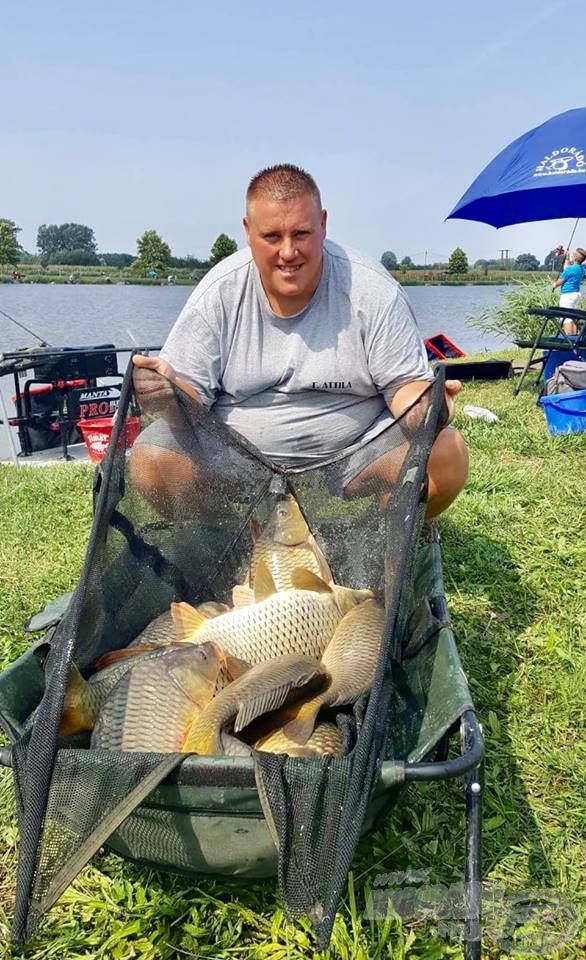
[(565, 412)]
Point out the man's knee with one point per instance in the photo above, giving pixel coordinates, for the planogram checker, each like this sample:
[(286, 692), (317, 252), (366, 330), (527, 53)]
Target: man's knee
[(447, 470), (154, 468)]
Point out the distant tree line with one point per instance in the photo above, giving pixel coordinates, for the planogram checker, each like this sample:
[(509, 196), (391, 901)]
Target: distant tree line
[(458, 263), (74, 244)]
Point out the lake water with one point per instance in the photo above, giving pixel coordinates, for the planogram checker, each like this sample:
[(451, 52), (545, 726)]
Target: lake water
[(79, 315)]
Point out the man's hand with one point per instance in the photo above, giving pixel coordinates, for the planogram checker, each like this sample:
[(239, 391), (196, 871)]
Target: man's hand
[(409, 393), (453, 387), (153, 380)]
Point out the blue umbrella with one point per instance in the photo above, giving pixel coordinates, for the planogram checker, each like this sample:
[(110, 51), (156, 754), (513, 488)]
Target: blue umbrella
[(540, 176)]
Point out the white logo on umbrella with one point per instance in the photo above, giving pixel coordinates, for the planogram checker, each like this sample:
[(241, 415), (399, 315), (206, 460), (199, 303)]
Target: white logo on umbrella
[(565, 160)]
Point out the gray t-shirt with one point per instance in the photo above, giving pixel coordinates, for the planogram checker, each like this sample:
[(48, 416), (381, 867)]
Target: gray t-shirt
[(300, 388)]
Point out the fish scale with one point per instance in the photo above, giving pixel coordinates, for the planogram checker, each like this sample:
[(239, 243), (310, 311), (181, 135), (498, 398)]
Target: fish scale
[(84, 698), (161, 631), (262, 689), (138, 718), (325, 739), (154, 703), (284, 544), (282, 560), (351, 659), (352, 654), (293, 621)]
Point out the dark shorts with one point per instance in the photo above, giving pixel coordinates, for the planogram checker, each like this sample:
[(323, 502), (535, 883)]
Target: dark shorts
[(212, 454)]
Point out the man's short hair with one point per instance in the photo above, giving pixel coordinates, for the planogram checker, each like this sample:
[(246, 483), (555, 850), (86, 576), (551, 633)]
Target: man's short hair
[(580, 252), (282, 182)]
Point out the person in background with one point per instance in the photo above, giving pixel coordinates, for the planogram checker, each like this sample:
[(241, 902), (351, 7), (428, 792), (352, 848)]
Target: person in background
[(569, 282)]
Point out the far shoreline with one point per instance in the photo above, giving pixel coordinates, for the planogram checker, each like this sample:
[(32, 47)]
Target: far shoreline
[(140, 282)]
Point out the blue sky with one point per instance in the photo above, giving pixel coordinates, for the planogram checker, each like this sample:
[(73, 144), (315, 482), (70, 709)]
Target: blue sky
[(127, 115)]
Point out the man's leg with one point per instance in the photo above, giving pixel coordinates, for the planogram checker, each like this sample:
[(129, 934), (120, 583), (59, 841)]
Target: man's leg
[(447, 473), (184, 474), (447, 470), (165, 479)]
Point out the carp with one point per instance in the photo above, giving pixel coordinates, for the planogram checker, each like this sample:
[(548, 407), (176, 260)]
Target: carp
[(263, 688), (300, 620)]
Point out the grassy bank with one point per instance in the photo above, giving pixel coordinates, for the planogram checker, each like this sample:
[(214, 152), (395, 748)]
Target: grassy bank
[(515, 567), (34, 273)]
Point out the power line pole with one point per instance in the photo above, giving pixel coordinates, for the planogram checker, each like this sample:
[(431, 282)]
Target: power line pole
[(505, 258)]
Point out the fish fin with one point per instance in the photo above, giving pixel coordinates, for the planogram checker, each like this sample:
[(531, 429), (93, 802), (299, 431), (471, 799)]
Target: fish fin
[(77, 714), (235, 667), (324, 567), (115, 655), (233, 747), (264, 585), (264, 702), (303, 579), (255, 529), (301, 728), (212, 608), (187, 621), (242, 595), (197, 689)]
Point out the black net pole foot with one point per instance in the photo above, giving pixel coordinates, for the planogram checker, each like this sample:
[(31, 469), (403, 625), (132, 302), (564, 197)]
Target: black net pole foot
[(474, 789)]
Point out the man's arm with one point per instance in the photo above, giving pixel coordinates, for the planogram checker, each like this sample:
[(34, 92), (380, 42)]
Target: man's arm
[(406, 395)]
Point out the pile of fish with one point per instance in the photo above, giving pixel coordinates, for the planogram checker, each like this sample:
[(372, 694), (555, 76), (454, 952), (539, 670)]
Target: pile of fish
[(216, 680)]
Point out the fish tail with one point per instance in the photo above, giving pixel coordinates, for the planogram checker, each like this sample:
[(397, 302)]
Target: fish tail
[(301, 728), (79, 711)]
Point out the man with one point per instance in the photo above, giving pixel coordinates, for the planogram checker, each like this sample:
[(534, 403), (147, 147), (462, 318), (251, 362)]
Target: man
[(569, 282), (303, 347)]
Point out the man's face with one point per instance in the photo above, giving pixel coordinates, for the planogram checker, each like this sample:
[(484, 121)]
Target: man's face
[(286, 240)]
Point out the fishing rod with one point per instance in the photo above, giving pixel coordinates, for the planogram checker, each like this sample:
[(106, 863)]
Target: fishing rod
[(44, 343)]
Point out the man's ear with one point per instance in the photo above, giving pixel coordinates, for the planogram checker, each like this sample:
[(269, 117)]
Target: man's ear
[(246, 226), (324, 221)]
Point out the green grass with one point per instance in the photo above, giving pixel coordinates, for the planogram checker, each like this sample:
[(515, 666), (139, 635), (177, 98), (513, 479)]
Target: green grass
[(515, 566)]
